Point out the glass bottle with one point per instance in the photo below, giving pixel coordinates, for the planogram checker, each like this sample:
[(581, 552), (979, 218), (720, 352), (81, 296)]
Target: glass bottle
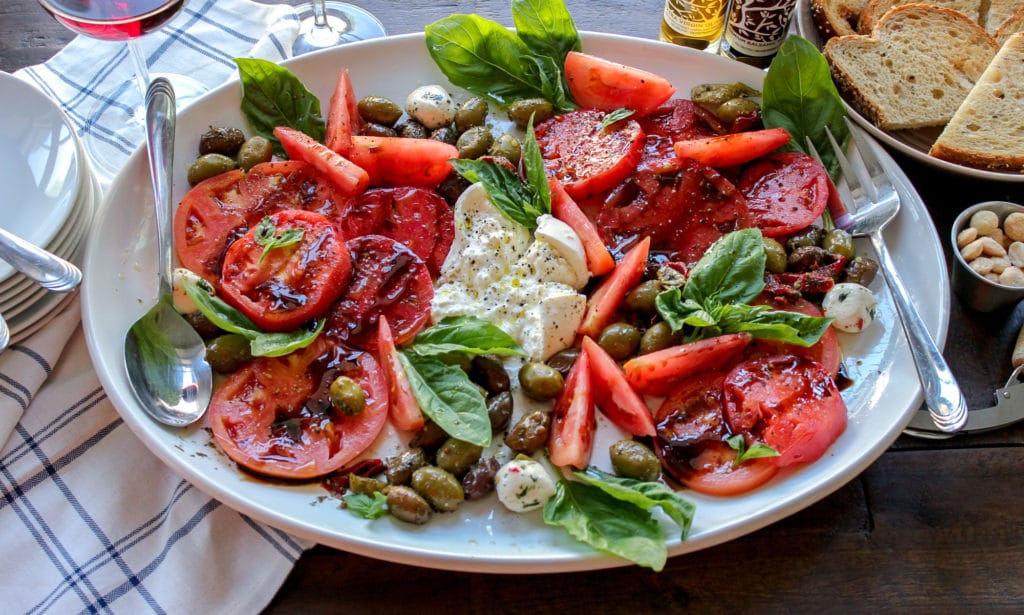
[(756, 29), (694, 23)]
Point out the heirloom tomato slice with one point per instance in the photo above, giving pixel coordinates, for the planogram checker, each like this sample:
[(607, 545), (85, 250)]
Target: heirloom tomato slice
[(274, 416), (270, 187), (826, 351), (597, 83), (572, 419), (211, 216), (785, 192), (400, 161), (281, 288)]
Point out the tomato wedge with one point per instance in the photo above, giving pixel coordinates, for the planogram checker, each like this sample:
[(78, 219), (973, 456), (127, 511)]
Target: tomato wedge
[(572, 419), (601, 84), (207, 221), (790, 403), (615, 397), (343, 119), (785, 192), (403, 409), (281, 288), (656, 373), (399, 161), (734, 148), (599, 259), (273, 416), (346, 176), (587, 157), (604, 303)]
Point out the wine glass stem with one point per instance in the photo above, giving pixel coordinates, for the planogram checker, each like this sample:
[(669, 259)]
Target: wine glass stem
[(320, 13), (141, 68)]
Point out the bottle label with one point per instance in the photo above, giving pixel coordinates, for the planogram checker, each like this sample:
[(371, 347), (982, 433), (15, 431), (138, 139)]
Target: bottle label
[(757, 27), (696, 18)]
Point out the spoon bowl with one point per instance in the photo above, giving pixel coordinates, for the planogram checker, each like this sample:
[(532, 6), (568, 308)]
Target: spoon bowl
[(164, 356)]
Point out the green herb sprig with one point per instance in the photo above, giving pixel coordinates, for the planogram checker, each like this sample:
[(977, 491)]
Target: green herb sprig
[(265, 234)]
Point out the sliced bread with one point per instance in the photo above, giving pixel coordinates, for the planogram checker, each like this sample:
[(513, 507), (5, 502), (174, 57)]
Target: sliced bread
[(1010, 26), (915, 68), (836, 17), (876, 8), (999, 11), (987, 130)]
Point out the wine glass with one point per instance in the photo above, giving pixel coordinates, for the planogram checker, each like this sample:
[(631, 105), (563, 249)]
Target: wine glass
[(324, 24), (122, 108)]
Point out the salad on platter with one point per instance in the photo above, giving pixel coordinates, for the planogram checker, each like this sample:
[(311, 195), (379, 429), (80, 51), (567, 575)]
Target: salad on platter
[(558, 285)]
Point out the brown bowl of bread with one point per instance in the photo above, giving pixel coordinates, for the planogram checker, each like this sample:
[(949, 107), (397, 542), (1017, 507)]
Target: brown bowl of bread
[(942, 83)]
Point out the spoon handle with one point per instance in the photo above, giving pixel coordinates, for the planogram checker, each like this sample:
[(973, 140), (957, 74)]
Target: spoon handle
[(48, 270), (160, 122)]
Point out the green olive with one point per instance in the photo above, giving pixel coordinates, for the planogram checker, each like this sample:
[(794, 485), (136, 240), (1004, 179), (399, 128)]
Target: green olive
[(379, 110), (474, 142), (530, 433), (226, 353), (810, 236), (347, 396), (632, 459), (254, 151), (398, 470), (472, 112), (507, 146), (735, 107), (407, 505), (563, 360), (442, 490), (373, 129), (411, 129), (774, 255), (456, 456), (521, 110), (499, 410), (540, 381), (209, 165), (718, 93), (657, 337), (445, 134), (364, 484), (620, 340), (838, 241), (221, 140), (641, 298)]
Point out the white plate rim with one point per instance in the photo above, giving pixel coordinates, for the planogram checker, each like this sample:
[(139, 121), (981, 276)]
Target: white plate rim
[(361, 537)]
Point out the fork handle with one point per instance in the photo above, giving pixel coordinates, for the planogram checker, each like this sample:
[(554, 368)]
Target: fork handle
[(942, 394)]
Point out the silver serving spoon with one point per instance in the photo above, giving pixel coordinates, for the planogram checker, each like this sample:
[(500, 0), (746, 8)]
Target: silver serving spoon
[(164, 356), (45, 268)]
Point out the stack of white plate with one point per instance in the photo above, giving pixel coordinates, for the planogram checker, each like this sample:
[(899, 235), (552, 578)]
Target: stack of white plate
[(47, 196)]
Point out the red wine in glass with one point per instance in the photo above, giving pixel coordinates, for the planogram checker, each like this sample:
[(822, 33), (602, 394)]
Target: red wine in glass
[(113, 20)]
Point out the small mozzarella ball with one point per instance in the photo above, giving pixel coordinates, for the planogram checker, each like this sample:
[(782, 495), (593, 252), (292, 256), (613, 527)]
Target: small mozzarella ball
[(523, 485), (852, 307), (431, 105), (985, 221), (182, 302)]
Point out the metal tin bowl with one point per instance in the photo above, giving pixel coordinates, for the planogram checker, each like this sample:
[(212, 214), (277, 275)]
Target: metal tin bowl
[(978, 292)]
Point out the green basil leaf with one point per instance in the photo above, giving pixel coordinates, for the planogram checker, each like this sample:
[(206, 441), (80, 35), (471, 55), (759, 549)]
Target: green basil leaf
[(546, 27), (466, 334), (367, 507), (743, 454), (547, 73), (799, 96), (615, 116), (678, 312), (447, 396), (731, 271), (273, 96), (780, 325), (606, 523), (646, 495), (266, 235), (536, 174), (509, 194), (280, 344)]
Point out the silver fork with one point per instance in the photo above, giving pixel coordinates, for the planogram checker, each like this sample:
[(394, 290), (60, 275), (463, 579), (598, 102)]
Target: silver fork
[(870, 188)]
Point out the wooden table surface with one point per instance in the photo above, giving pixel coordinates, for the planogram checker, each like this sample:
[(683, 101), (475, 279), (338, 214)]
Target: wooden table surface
[(931, 525)]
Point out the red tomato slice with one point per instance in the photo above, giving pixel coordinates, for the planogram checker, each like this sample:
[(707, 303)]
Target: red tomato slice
[(584, 156), (273, 416), (690, 444), (656, 373), (826, 352), (599, 259), (348, 177), (734, 148), (790, 403), (572, 419), (343, 119), (785, 192), (398, 161), (285, 287), (388, 279), (677, 120), (603, 305), (271, 187), (419, 218), (597, 83), (615, 397), (404, 410), (206, 223)]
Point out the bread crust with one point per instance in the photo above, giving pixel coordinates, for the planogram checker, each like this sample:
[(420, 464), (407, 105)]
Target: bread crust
[(836, 17)]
